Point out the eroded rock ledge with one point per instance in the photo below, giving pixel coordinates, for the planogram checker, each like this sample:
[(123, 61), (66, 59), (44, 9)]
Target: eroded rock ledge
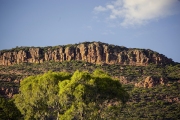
[(152, 81), (93, 52)]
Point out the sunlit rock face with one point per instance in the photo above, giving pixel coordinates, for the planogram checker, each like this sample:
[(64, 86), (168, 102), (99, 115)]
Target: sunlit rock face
[(93, 52), (151, 81)]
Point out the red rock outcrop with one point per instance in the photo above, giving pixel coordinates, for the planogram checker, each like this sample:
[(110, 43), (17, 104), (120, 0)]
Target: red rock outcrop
[(93, 52), (151, 81)]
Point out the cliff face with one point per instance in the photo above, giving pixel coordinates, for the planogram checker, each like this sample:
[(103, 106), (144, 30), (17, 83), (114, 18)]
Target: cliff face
[(93, 52)]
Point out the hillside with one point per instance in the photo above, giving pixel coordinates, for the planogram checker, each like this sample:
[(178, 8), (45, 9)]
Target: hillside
[(151, 79)]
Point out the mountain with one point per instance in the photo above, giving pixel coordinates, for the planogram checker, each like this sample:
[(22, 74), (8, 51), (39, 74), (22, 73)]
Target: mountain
[(92, 52), (151, 79)]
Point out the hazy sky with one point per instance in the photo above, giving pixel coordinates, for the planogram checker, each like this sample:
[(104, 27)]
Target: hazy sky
[(150, 24)]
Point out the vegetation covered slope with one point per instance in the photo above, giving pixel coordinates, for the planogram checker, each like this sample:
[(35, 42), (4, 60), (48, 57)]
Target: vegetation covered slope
[(159, 102)]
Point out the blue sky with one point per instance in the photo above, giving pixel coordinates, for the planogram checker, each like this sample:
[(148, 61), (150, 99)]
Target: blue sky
[(149, 24)]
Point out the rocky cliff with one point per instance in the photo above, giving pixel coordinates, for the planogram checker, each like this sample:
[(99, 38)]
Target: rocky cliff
[(93, 52)]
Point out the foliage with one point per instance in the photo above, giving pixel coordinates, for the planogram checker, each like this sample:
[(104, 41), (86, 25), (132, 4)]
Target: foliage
[(82, 96), (169, 71), (173, 71), (8, 110), (143, 103), (86, 96), (38, 95), (160, 103), (17, 49)]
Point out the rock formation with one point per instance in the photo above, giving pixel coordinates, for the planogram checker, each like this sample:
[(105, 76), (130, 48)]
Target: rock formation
[(93, 52), (151, 81)]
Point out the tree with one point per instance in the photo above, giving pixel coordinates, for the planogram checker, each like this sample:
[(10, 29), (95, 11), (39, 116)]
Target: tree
[(38, 97), (90, 96), (80, 96)]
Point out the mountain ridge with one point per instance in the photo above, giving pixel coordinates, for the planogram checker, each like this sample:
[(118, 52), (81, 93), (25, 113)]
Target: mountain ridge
[(93, 52)]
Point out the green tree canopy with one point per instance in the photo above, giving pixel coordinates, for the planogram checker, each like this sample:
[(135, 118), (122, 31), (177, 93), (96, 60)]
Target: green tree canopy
[(38, 97), (80, 96), (90, 96), (8, 110)]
